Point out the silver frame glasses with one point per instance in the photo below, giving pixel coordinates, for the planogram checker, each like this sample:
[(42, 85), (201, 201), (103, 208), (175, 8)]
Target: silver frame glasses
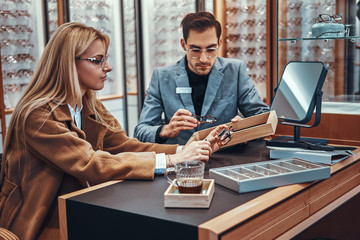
[(199, 50), (96, 61)]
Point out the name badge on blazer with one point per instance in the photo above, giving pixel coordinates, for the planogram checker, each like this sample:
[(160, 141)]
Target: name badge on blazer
[(183, 90)]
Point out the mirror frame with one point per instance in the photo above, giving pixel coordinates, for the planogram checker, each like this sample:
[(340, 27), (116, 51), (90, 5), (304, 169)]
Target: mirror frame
[(313, 102)]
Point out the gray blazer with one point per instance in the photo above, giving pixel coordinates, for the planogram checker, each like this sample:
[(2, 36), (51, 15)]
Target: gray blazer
[(230, 90)]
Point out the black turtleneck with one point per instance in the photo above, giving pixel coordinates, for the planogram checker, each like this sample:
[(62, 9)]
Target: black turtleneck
[(198, 83)]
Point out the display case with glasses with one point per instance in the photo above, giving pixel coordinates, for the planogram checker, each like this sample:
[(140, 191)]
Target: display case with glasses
[(104, 16), (52, 16), (245, 37), (155, 39), (325, 31), (21, 43), (329, 26), (163, 32)]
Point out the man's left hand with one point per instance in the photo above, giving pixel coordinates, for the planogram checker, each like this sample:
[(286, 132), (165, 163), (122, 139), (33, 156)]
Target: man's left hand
[(236, 119)]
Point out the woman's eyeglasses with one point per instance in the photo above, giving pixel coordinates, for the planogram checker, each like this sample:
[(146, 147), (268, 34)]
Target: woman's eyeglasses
[(95, 60), (204, 119)]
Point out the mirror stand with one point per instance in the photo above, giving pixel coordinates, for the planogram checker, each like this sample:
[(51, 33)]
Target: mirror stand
[(297, 141)]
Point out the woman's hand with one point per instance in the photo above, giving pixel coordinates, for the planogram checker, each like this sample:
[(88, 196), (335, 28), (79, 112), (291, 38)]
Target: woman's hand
[(213, 138), (197, 150), (200, 150)]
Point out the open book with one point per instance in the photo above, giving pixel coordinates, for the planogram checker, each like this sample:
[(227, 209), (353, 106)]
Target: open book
[(318, 156)]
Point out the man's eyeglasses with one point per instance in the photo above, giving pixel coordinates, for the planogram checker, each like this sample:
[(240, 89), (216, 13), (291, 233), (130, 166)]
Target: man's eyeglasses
[(196, 52), (100, 62), (204, 119), (328, 18)]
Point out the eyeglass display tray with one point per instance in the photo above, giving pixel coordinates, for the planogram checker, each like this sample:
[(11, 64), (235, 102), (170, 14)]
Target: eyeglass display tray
[(247, 129), (268, 174)]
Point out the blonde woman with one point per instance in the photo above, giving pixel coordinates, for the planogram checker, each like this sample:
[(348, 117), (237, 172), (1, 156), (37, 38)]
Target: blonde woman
[(61, 138)]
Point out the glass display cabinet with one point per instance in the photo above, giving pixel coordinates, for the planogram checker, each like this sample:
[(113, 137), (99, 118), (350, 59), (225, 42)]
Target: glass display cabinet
[(22, 40), (142, 35), (245, 37), (339, 50)]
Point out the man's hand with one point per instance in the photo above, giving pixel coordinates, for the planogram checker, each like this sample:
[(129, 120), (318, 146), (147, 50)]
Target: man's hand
[(182, 120), (236, 119)]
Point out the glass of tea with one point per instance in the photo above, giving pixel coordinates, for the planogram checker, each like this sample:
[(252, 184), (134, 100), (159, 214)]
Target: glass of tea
[(189, 176)]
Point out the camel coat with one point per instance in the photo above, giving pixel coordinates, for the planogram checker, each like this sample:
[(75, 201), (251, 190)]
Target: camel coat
[(60, 158)]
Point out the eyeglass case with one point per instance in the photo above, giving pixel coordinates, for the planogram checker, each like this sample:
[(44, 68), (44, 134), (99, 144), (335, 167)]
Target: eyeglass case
[(328, 30)]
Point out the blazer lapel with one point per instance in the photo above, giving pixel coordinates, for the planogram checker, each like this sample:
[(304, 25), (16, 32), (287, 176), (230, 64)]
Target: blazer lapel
[(215, 80), (182, 81)]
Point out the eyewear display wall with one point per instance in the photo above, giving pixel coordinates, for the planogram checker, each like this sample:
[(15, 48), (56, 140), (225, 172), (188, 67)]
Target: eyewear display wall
[(146, 34), (337, 49)]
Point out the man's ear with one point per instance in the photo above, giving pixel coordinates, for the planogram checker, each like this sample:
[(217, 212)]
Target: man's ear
[(220, 42), (183, 44)]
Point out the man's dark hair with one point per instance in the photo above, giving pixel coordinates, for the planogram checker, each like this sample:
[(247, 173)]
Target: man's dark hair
[(199, 21)]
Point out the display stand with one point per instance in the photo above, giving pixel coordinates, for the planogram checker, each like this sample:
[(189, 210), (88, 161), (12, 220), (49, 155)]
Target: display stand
[(297, 141)]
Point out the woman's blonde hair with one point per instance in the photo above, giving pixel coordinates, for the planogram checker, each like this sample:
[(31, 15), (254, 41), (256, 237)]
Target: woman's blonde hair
[(56, 79)]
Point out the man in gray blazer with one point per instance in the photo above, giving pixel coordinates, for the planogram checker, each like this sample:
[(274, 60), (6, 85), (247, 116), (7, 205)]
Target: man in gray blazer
[(200, 84)]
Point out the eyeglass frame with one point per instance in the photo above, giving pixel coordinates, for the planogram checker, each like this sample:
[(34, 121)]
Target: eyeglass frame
[(331, 17), (96, 61), (226, 134), (197, 117), (202, 51)]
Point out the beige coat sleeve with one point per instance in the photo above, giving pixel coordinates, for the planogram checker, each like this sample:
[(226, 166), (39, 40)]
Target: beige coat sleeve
[(53, 142)]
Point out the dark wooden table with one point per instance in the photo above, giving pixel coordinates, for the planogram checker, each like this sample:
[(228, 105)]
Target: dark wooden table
[(135, 209)]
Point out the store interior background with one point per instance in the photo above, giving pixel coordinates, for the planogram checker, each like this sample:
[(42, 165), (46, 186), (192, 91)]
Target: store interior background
[(146, 34)]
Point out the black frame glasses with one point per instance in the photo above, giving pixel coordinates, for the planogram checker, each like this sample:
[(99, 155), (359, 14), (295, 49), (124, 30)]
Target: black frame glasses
[(204, 119), (328, 18), (95, 60)]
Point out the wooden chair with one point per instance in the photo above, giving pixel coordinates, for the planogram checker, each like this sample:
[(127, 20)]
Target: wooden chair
[(7, 235)]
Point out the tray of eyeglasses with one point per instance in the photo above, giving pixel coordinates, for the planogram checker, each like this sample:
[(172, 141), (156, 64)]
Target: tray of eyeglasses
[(268, 174)]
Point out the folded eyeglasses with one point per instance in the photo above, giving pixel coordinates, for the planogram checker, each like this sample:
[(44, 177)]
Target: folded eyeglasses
[(226, 134), (204, 119)]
